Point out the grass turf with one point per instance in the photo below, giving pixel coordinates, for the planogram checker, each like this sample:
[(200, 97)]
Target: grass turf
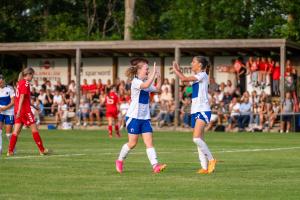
[(252, 166)]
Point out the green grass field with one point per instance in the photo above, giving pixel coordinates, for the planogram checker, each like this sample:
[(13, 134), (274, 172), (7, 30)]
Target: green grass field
[(252, 166)]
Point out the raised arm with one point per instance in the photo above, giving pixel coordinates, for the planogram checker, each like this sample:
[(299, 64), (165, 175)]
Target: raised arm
[(181, 76), (158, 85), (149, 82)]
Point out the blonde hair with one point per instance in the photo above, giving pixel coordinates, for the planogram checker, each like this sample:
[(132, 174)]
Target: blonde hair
[(136, 64), (131, 72), (27, 70)]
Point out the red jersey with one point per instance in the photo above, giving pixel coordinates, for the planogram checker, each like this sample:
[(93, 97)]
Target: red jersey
[(23, 87), (276, 73), (263, 66), (85, 88), (101, 87), (92, 88), (111, 101)]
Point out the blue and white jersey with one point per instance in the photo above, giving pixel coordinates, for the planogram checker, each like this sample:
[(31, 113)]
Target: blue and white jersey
[(5, 98), (139, 105), (200, 102)]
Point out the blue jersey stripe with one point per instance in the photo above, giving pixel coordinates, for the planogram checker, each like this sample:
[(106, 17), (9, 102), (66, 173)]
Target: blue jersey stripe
[(5, 100), (195, 88), (144, 97)]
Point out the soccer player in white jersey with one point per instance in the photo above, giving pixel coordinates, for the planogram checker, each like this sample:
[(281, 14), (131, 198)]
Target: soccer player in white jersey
[(7, 96), (200, 109), (138, 115)]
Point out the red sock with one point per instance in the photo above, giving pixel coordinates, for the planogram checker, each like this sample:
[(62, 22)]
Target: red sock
[(117, 129), (12, 143), (38, 141), (110, 129)]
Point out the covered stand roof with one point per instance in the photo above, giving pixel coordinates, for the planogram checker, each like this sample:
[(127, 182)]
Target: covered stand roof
[(224, 47)]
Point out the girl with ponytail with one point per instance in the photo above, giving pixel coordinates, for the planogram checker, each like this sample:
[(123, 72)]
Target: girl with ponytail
[(200, 109)]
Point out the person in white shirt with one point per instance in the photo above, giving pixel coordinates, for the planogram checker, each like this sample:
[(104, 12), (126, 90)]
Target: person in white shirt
[(72, 86), (50, 86), (43, 97), (124, 106), (200, 110), (166, 85), (138, 113), (57, 99), (166, 95), (234, 110), (230, 88), (36, 85), (7, 96)]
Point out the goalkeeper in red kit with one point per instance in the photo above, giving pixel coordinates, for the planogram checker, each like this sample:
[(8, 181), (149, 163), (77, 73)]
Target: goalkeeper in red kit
[(111, 103), (23, 114)]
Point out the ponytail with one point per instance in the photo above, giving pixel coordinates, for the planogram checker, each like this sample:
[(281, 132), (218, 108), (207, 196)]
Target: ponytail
[(207, 69), (20, 77), (136, 63), (131, 72)]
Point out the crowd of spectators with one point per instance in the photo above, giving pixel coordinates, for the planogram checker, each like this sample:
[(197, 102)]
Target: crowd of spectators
[(233, 108)]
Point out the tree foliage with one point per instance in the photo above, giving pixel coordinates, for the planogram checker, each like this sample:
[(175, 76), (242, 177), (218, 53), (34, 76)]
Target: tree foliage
[(57, 20)]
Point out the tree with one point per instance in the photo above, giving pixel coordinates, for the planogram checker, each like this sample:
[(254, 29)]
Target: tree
[(129, 18)]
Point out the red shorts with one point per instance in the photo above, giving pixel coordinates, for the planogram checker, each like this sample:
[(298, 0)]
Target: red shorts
[(112, 113), (27, 119)]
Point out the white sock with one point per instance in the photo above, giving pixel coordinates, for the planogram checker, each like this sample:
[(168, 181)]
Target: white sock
[(202, 158), (124, 152), (0, 141), (8, 136), (152, 156), (204, 148)]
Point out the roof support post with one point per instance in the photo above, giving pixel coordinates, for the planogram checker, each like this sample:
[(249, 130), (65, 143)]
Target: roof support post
[(69, 69), (211, 69), (176, 96), (78, 88), (282, 63), (162, 68)]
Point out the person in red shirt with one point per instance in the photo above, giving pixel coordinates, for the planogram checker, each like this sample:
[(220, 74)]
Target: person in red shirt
[(270, 71), (85, 87), (23, 114), (276, 79), (100, 86), (263, 68), (111, 103), (93, 87)]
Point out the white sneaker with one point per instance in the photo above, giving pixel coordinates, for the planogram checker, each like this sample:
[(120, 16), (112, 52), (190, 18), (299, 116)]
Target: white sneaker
[(281, 131), (287, 131)]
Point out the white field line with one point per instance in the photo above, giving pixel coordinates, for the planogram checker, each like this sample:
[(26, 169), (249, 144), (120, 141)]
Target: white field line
[(60, 155), (257, 150), (114, 153)]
